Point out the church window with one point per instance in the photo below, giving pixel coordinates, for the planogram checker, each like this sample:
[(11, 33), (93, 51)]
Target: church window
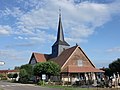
[(79, 63)]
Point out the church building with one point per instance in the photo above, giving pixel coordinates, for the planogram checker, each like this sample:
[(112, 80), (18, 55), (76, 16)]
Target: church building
[(74, 63)]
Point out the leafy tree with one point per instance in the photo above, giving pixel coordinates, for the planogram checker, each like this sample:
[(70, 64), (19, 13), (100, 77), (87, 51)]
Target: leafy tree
[(23, 76), (29, 69), (1, 75), (115, 66), (10, 75), (48, 68), (15, 75), (17, 68), (26, 72), (108, 72)]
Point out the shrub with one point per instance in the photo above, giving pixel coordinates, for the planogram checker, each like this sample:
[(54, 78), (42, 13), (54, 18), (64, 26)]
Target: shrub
[(41, 83)]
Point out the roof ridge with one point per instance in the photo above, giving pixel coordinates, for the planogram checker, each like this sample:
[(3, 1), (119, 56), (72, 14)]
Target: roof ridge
[(75, 47), (87, 57)]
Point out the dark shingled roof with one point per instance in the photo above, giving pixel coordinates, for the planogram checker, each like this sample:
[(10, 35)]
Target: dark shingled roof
[(61, 43), (63, 57)]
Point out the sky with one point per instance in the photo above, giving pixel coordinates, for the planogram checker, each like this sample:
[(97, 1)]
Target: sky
[(28, 26)]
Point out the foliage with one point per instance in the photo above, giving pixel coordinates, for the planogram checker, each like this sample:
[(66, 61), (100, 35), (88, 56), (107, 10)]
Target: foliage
[(15, 75), (41, 83), (26, 72), (17, 68), (115, 66), (23, 76), (3, 78), (49, 68), (108, 72), (10, 75), (1, 75), (29, 69)]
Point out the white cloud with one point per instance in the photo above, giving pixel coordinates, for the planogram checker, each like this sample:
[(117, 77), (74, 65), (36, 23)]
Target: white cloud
[(13, 57), (79, 20), (12, 54), (14, 11), (114, 50), (5, 30)]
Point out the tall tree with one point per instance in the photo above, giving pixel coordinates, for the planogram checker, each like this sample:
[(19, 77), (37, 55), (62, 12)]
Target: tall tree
[(23, 76), (29, 69), (115, 66), (10, 75), (48, 68)]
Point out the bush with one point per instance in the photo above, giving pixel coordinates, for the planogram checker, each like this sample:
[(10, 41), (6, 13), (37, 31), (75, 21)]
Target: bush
[(41, 83), (23, 80), (3, 78), (23, 76)]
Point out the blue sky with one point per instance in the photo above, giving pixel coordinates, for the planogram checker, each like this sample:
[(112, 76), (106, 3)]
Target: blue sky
[(28, 26)]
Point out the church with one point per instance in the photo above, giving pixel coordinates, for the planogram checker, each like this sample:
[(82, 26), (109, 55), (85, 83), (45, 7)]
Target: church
[(74, 63)]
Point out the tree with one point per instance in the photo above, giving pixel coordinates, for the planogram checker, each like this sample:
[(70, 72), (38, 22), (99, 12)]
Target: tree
[(115, 66), (26, 73), (23, 76), (10, 75), (15, 75), (29, 69), (48, 68), (17, 68), (1, 76), (108, 72)]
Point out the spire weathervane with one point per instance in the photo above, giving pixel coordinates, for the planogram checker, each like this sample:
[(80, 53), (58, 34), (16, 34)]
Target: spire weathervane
[(60, 43), (59, 11)]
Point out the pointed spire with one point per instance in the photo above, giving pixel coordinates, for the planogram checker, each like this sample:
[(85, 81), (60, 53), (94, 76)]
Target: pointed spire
[(60, 45), (60, 35)]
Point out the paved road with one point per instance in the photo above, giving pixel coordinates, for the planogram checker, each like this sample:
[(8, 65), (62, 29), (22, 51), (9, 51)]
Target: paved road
[(17, 86)]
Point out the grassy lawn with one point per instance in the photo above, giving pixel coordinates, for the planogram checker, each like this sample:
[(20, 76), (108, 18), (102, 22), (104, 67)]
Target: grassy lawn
[(77, 88)]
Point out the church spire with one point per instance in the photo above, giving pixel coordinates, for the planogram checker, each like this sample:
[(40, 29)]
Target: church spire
[(60, 35), (60, 45)]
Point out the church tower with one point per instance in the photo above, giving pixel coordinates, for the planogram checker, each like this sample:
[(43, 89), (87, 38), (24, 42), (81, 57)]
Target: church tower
[(60, 43)]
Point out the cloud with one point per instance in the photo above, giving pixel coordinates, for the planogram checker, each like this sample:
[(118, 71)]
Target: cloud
[(15, 12), (79, 20), (38, 19), (13, 54), (5, 30), (114, 50), (22, 38)]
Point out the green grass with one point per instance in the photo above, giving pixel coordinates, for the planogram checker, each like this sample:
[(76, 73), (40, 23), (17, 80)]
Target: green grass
[(78, 88)]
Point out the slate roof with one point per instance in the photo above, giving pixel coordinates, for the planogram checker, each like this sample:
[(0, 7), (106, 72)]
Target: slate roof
[(64, 56), (59, 42)]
